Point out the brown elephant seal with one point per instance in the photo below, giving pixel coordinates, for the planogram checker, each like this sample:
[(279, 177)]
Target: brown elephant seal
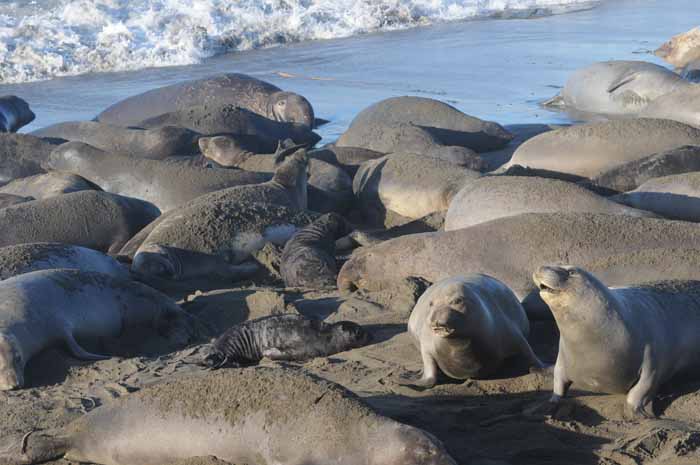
[(616, 88), (25, 258), (21, 155), (682, 105), (51, 184), (491, 248), (627, 340), (283, 337), (257, 133), (449, 126), (93, 219), (630, 175), (676, 197), (401, 187), (156, 144), (239, 416), (681, 49), (347, 158), (308, 259), (49, 307), (236, 89), (492, 197), (14, 113), (589, 150), (466, 326), (8, 200)]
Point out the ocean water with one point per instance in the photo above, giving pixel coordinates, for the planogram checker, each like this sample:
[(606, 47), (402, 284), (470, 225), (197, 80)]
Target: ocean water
[(495, 59)]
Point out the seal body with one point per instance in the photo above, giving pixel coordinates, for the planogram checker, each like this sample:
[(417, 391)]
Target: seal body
[(628, 340), (675, 197), (45, 308), (681, 49), (682, 105), (239, 416), (467, 326), (237, 89), (14, 113), (21, 155), (52, 184), (284, 337), (308, 259)]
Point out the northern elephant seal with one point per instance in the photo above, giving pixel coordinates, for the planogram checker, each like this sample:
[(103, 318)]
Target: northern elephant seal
[(492, 197), (236, 89), (347, 158), (682, 105), (45, 308), (14, 113), (156, 144), (35, 256), (51, 184), (449, 126), (21, 155), (616, 88), (589, 150), (236, 415), (401, 187), (466, 326), (681, 49), (93, 219), (308, 259), (676, 197), (627, 340), (283, 337)]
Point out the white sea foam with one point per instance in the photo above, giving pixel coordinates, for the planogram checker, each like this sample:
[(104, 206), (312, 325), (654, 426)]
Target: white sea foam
[(45, 38)]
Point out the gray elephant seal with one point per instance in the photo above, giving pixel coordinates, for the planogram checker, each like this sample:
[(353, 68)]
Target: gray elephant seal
[(45, 308), (492, 197), (616, 88), (283, 337), (97, 220), (347, 158), (308, 259), (449, 126), (159, 143), (236, 89), (676, 197), (43, 186), (14, 113), (21, 155), (682, 105), (236, 415), (466, 326), (35, 256), (681, 49), (588, 150), (626, 340)]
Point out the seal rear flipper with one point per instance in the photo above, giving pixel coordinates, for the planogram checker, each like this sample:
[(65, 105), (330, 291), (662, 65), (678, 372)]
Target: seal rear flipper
[(80, 353), (555, 102), (31, 448), (621, 81)]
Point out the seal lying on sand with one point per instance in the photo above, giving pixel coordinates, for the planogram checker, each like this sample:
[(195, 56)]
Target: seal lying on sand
[(25, 258), (21, 155), (467, 326), (308, 259), (589, 150), (237, 89), (98, 220), (45, 308), (676, 197), (236, 415), (43, 186), (616, 87), (449, 126), (155, 144), (681, 49), (493, 197), (626, 340), (14, 113), (283, 337), (347, 158)]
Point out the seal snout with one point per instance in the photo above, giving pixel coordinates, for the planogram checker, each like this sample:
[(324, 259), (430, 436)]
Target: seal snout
[(551, 279), (444, 321)]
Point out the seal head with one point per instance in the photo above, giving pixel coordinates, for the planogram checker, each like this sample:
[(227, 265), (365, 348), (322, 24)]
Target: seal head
[(292, 108)]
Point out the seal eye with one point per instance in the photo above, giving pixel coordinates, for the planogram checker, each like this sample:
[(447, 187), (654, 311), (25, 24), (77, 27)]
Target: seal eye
[(457, 301), (281, 103), (571, 272)]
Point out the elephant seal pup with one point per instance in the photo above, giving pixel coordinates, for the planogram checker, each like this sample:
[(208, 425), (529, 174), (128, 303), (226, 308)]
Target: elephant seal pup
[(308, 259), (239, 416), (156, 144), (45, 308), (407, 186), (21, 155), (676, 197), (616, 88), (448, 125), (588, 150), (514, 195), (682, 105), (681, 49), (236, 89), (633, 174), (283, 337), (627, 340), (51, 184), (7, 200), (466, 326), (35, 256), (14, 113), (93, 219), (258, 133)]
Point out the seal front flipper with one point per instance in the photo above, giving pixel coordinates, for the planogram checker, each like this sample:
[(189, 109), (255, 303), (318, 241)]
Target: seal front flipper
[(33, 447), (80, 353), (639, 402)]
